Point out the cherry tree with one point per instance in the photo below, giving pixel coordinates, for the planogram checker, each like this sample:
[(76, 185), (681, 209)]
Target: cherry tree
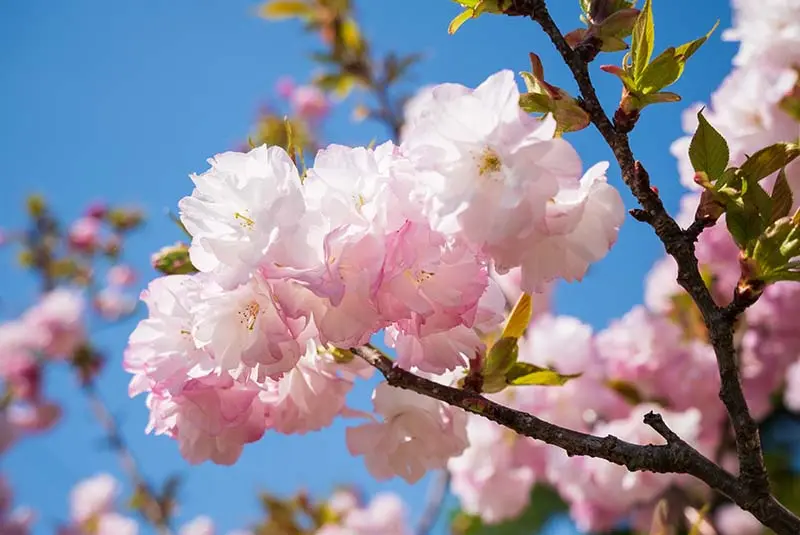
[(428, 259)]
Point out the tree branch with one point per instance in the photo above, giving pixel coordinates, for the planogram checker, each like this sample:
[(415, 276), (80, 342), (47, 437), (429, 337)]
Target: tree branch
[(680, 245), (674, 457), (152, 508)]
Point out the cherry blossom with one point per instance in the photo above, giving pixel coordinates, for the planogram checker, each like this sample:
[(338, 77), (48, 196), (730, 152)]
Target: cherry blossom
[(239, 208), (212, 419), (417, 434), (487, 479), (385, 515), (93, 497)]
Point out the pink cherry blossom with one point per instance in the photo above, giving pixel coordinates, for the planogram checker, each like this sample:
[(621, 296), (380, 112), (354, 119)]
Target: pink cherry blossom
[(765, 29), (601, 493), (731, 520), (485, 478), (16, 521), (435, 352), (84, 233), (385, 515), (59, 316), (580, 226), (424, 276), (202, 525), (791, 396), (649, 352), (116, 524), (245, 329), (503, 182), (310, 396), (568, 346), (161, 352), (121, 275), (212, 419), (309, 102), (284, 86), (34, 418), (239, 209), (417, 434), (661, 286), (93, 497), (112, 303)]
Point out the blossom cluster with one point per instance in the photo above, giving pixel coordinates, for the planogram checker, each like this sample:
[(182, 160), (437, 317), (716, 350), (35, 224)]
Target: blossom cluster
[(752, 109), (93, 511), (657, 357), (384, 515), (51, 330), (400, 239), (13, 521)]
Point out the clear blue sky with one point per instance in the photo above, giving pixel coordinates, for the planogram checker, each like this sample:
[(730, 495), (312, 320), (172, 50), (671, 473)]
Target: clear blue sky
[(120, 101)]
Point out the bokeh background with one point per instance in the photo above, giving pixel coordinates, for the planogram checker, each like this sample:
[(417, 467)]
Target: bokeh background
[(121, 101)]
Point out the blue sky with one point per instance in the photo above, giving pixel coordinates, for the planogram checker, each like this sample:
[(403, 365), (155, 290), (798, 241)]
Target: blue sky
[(120, 101)]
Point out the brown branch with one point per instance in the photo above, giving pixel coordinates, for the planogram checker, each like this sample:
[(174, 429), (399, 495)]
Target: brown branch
[(680, 245), (152, 509), (676, 456)]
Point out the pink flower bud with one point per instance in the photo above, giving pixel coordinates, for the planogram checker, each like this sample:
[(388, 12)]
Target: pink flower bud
[(310, 102), (285, 87), (84, 234)]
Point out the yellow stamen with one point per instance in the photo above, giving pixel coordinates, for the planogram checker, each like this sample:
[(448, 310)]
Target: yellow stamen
[(249, 315), (244, 221), (489, 162)]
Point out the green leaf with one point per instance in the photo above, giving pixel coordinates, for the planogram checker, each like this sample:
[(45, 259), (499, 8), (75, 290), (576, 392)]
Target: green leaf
[(284, 9), (687, 50), (459, 20), (657, 98), (782, 198), (519, 318), (570, 117), (525, 374), (708, 150), (500, 359), (534, 103), (642, 40), (620, 73), (660, 73), (743, 224), (770, 159), (626, 390)]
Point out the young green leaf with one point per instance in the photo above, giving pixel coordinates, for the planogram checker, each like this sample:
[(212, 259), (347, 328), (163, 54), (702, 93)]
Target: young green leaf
[(284, 9), (525, 374), (660, 73), (520, 318), (688, 49), (459, 20), (744, 224), (534, 102), (782, 198), (708, 150), (500, 358), (643, 37), (770, 159)]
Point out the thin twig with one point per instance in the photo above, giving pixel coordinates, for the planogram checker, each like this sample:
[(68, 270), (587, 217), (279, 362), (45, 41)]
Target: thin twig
[(680, 245), (151, 509), (437, 493)]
